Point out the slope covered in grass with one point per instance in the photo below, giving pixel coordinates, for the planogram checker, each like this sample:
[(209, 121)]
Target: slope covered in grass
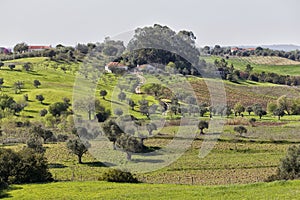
[(269, 64), (103, 190)]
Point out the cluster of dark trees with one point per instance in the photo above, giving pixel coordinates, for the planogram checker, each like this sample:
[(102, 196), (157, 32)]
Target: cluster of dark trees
[(25, 166), (259, 51), (228, 72)]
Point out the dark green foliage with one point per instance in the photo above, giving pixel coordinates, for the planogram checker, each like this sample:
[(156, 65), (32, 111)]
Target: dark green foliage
[(18, 86), (78, 147), (118, 111), (131, 103), (122, 96), (238, 108), (36, 83), (129, 144), (62, 138), (202, 125), (28, 67), (25, 166), (202, 110), (112, 131), (7, 102), (21, 47), (36, 144), (279, 112), (249, 109), (41, 132), (116, 175), (40, 98), (11, 66), (43, 112), (252, 121), (151, 127), (289, 167), (1, 82), (103, 93), (240, 130), (144, 107), (57, 108)]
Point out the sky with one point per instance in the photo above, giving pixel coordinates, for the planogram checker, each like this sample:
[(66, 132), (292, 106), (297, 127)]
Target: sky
[(223, 22)]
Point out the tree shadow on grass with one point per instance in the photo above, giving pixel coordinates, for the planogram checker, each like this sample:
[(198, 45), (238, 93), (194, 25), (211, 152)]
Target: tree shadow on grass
[(115, 102), (138, 160), (97, 164), (4, 194), (56, 166)]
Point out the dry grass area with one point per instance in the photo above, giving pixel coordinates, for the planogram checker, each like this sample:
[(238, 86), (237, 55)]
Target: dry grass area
[(268, 60)]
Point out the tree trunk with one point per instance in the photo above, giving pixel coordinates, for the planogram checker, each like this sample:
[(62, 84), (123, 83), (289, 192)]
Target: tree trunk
[(114, 145), (79, 159), (128, 155), (201, 131)]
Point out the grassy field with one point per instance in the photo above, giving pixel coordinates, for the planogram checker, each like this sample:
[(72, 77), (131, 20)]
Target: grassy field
[(234, 160), (277, 65), (102, 190)]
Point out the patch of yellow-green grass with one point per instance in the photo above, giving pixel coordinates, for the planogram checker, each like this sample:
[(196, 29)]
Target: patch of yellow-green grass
[(103, 190)]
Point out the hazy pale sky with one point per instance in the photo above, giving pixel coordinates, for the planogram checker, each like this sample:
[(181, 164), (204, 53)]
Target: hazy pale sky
[(224, 22)]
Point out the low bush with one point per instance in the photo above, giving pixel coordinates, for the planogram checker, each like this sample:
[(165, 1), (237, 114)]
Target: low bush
[(116, 175)]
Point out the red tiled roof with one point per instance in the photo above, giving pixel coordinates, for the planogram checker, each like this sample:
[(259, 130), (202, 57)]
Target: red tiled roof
[(38, 47), (115, 64)]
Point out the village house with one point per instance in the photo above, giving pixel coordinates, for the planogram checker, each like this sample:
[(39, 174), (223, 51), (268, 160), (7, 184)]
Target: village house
[(110, 66), (38, 48)]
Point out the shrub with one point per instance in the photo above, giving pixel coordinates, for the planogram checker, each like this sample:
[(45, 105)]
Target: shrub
[(25, 166), (116, 175), (289, 167)]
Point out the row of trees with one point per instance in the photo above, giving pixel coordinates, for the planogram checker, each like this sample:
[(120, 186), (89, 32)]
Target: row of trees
[(259, 51), (230, 73)]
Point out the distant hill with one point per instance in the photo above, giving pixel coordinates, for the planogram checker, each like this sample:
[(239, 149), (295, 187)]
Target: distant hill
[(280, 47)]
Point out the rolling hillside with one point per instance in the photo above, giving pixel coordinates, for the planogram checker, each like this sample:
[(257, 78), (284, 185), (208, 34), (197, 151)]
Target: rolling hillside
[(270, 64)]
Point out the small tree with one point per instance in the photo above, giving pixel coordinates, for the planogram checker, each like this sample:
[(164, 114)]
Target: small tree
[(202, 125), (151, 127), (144, 107), (78, 147), (43, 112), (122, 96), (112, 131), (238, 108), (249, 109), (1, 83), (118, 111), (240, 130), (103, 93), (131, 103), (202, 110), (26, 98), (18, 86), (129, 144), (36, 83), (36, 144), (279, 113), (40, 98), (57, 108), (27, 67), (11, 66), (252, 121)]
